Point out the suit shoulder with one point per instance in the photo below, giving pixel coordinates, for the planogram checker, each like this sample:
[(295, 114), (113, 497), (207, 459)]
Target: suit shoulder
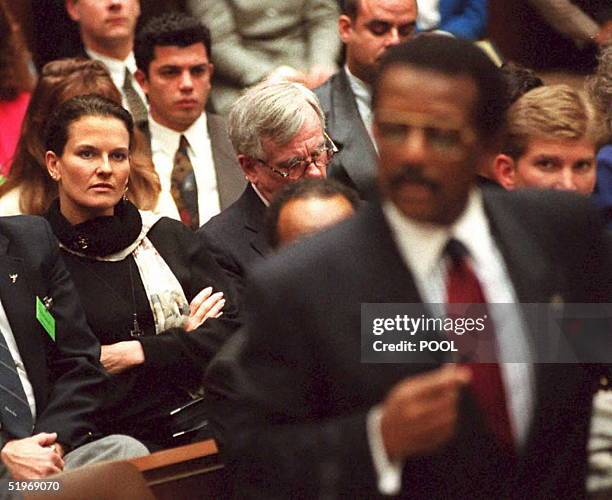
[(216, 120), (324, 92), (550, 206), (24, 226)]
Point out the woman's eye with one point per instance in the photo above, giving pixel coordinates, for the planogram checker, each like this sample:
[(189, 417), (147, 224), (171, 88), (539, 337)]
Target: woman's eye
[(86, 154), (119, 156)]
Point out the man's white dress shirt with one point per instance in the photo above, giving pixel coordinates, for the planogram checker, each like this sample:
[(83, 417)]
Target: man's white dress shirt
[(422, 249), (116, 68), (164, 144)]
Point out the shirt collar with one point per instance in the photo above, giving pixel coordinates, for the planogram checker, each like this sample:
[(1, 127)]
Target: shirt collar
[(421, 245), (361, 90), (167, 141), (116, 67), (261, 196)]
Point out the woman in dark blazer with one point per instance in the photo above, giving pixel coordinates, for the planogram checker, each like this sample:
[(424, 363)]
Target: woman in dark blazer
[(145, 283)]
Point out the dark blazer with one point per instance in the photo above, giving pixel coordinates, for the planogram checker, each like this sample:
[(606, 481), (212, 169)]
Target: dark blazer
[(299, 428), (140, 398), (236, 237), (355, 163), (65, 374), (230, 179)]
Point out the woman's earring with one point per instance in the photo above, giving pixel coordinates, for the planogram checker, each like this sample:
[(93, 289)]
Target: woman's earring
[(125, 197)]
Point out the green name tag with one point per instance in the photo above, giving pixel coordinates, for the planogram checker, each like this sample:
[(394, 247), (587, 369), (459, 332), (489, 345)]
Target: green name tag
[(45, 319)]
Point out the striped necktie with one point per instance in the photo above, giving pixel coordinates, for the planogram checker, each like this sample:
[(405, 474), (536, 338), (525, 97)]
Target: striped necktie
[(183, 186), (15, 411)]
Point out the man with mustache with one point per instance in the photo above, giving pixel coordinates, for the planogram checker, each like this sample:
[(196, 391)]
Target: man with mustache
[(313, 418), (192, 153), (367, 29)]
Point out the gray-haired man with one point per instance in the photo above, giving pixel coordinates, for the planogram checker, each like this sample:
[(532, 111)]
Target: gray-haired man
[(278, 132)]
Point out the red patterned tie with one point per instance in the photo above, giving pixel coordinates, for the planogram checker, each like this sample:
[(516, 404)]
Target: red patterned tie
[(487, 385)]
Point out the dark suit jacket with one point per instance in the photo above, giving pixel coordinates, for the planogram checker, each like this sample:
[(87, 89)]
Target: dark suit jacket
[(299, 429), (140, 399), (236, 236), (230, 179), (355, 163), (66, 376)]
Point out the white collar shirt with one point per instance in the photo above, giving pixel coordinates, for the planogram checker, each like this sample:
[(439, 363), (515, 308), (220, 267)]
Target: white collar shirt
[(116, 68), (164, 144), (421, 247), (363, 98)]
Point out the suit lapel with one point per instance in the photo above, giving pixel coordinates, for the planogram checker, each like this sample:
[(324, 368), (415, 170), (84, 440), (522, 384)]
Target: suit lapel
[(533, 278), (357, 154), (18, 301), (254, 221)]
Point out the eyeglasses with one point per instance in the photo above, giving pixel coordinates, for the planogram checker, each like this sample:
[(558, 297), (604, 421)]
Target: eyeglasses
[(447, 138), (321, 157)]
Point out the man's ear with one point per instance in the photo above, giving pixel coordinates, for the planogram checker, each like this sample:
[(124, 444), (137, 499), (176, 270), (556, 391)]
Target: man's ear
[(248, 167), (73, 11), (211, 70), (141, 78), (504, 170), (52, 162), (345, 28)]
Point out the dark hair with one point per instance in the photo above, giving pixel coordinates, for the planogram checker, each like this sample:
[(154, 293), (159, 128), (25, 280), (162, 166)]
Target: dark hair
[(172, 28), (59, 81), (350, 8), (519, 80), (56, 133), (454, 57), (302, 190), (15, 75)]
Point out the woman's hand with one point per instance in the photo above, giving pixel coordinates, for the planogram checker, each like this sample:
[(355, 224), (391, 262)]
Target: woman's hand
[(120, 356), (203, 306)]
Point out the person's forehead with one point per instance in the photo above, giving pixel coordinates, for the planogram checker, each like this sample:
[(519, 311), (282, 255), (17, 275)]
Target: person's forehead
[(387, 10), (174, 54), (404, 87), (560, 147)]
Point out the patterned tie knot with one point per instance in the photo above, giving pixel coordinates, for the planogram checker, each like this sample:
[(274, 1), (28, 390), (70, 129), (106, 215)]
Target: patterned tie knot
[(183, 145)]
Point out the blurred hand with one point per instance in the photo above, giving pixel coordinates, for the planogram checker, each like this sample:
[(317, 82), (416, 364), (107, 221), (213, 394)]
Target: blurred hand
[(34, 457), (420, 413), (120, 356), (203, 306), (317, 76), (286, 74), (605, 34)]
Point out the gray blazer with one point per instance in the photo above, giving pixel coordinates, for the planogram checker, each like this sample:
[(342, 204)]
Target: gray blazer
[(251, 39), (355, 163), (230, 179)]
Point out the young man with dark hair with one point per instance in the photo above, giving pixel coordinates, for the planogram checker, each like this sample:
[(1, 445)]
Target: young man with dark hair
[(192, 154)]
